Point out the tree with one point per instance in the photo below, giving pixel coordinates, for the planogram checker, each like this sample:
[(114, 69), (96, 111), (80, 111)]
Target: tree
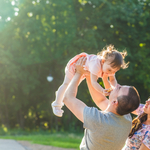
[(43, 35)]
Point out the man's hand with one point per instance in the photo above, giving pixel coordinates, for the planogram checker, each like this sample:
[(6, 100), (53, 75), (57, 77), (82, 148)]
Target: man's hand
[(80, 66)]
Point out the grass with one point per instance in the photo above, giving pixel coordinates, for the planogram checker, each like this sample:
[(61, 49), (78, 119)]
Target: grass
[(64, 140)]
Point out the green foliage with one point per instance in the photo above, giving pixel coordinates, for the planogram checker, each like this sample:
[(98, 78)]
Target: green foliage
[(45, 35)]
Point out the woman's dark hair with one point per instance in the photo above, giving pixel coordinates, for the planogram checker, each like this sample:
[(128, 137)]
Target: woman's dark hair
[(137, 123)]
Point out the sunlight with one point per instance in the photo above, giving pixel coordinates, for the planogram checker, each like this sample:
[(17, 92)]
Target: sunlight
[(33, 2), (54, 30), (30, 14), (47, 2), (4, 128), (8, 19), (16, 13), (95, 27), (13, 3), (16, 9), (46, 124), (142, 44), (89, 2), (111, 26)]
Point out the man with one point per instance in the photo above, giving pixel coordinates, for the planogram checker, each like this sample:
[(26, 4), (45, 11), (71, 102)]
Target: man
[(107, 129)]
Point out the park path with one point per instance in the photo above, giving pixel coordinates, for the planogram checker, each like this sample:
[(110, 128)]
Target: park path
[(10, 145), (29, 146), (6, 144)]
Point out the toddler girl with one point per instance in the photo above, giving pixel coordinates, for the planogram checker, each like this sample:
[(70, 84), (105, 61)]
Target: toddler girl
[(107, 62)]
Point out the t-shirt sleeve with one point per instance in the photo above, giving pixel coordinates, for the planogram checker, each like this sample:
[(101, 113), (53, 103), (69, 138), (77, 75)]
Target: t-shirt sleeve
[(146, 140), (91, 117), (94, 67), (139, 110)]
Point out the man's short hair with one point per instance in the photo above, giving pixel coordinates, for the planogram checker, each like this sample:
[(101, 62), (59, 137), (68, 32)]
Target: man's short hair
[(128, 103)]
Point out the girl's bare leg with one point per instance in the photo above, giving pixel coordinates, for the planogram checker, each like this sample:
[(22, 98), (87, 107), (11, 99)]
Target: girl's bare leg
[(58, 103)]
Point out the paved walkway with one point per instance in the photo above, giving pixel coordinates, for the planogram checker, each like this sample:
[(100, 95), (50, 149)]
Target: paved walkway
[(25, 145), (10, 145)]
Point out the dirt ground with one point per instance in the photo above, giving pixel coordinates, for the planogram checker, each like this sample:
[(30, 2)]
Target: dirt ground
[(29, 146)]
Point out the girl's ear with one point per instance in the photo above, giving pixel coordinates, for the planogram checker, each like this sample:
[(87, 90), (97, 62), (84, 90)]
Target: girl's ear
[(103, 60)]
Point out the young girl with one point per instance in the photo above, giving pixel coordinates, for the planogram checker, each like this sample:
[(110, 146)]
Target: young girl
[(139, 137), (108, 62)]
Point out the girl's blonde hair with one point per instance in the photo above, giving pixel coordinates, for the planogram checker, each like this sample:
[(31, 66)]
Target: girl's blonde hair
[(118, 61)]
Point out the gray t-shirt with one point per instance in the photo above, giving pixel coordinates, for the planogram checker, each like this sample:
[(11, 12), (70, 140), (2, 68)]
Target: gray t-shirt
[(104, 130)]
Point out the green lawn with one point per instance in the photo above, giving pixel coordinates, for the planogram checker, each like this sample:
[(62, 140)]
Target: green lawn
[(64, 140)]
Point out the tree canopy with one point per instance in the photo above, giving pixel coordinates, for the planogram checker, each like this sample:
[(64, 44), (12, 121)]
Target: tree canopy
[(39, 37)]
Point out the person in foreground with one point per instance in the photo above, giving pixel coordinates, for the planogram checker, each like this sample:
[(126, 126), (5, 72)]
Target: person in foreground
[(107, 129), (139, 137)]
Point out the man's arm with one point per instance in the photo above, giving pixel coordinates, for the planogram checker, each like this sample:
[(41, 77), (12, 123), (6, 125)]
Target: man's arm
[(100, 100), (73, 104)]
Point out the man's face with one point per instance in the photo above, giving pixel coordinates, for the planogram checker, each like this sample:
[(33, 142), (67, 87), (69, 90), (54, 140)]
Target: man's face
[(119, 91)]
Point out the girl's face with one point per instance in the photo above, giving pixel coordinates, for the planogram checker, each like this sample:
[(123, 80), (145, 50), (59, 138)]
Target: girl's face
[(146, 108), (107, 69)]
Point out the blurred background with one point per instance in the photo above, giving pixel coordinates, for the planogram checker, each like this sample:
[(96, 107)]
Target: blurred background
[(37, 38)]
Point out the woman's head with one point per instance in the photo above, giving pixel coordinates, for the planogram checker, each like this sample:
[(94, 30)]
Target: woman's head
[(112, 60), (137, 122)]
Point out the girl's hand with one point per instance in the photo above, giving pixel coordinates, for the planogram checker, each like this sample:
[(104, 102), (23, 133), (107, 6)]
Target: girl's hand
[(106, 92)]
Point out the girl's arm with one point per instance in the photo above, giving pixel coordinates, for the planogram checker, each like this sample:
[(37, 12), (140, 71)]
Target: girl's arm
[(112, 80), (95, 84), (105, 81)]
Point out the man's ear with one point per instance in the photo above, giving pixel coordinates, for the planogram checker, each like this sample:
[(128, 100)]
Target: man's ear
[(115, 102)]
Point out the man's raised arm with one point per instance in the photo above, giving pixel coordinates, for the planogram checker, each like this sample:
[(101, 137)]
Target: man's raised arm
[(99, 99), (73, 104)]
